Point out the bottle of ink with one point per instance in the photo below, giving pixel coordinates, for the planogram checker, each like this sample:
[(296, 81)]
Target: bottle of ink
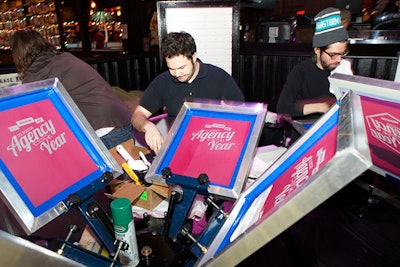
[(124, 229)]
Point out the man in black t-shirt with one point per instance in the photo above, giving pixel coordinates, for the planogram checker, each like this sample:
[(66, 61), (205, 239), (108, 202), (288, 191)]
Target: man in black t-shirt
[(306, 90), (187, 79)]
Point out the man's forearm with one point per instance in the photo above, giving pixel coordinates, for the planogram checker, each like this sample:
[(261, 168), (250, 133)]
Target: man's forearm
[(316, 105), (140, 118), (312, 108), (139, 122)]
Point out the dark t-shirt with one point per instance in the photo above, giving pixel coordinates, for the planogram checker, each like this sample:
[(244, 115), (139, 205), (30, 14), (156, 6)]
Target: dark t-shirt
[(210, 83), (305, 81)]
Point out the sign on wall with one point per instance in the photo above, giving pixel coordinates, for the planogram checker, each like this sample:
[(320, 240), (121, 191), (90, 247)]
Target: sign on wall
[(10, 79), (213, 25)]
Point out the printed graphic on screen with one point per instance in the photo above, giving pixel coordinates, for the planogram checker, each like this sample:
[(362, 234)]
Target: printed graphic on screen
[(210, 146), (302, 169), (382, 120), (37, 147)]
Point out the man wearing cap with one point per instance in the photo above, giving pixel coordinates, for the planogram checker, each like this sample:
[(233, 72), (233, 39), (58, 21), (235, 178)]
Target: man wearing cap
[(306, 91)]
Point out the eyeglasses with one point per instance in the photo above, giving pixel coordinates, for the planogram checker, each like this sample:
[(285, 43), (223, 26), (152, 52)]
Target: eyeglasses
[(336, 55)]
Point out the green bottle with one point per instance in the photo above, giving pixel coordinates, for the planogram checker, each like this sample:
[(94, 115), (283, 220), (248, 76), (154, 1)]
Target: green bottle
[(124, 229)]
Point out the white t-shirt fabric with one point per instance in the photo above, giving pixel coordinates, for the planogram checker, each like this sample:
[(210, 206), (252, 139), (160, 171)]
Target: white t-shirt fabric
[(343, 68)]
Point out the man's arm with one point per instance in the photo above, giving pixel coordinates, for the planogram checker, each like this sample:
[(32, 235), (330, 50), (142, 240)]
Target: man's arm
[(287, 99), (232, 90), (140, 120), (318, 105)]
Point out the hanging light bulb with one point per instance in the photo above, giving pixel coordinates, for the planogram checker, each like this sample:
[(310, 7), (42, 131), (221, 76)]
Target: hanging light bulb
[(92, 4)]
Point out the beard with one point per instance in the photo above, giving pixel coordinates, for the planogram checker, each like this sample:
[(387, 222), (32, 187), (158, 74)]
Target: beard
[(329, 67), (186, 77)]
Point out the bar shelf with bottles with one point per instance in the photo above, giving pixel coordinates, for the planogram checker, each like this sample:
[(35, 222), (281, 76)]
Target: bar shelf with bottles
[(41, 16)]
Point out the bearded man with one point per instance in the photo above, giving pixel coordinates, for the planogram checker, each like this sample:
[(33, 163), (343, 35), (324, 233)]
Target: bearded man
[(186, 79), (307, 90)]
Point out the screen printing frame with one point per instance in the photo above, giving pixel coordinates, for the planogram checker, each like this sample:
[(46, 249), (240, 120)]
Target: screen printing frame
[(33, 106), (253, 222), (380, 102), (209, 117)]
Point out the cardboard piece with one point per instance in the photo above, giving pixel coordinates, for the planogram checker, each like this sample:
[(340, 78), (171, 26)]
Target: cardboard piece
[(139, 195), (131, 149), (89, 241)]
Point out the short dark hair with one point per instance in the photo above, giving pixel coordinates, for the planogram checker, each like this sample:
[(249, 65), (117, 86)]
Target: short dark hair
[(178, 43), (27, 45)]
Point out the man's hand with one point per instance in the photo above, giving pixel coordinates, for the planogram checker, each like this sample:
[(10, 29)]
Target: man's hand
[(153, 137)]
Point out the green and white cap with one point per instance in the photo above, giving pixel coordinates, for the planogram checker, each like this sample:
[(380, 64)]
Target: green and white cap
[(328, 28)]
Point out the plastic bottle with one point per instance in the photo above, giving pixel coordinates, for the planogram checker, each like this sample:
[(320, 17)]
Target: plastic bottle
[(124, 229)]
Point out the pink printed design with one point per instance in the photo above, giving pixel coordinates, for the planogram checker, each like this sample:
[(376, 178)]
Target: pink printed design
[(382, 120), (385, 129), (211, 146), (41, 151), (302, 169)]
